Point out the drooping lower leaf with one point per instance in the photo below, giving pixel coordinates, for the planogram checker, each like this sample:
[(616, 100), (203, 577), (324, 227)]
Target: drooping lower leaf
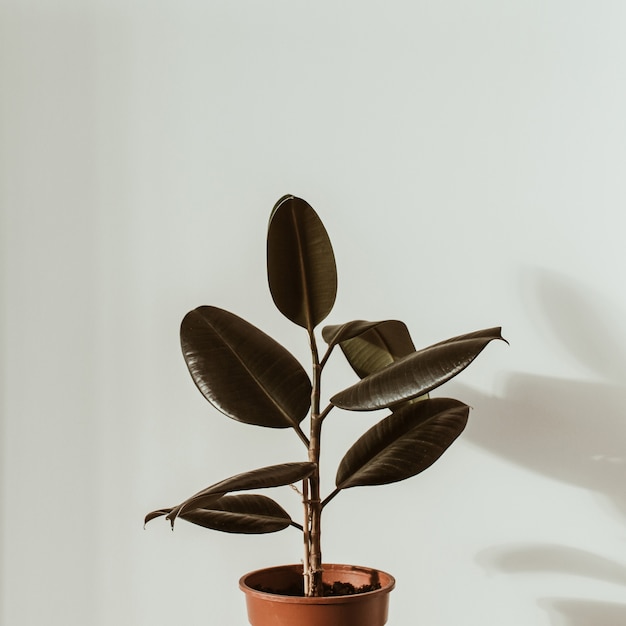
[(265, 477), (403, 444), (370, 346), (243, 372), (243, 513), (300, 263), (415, 374)]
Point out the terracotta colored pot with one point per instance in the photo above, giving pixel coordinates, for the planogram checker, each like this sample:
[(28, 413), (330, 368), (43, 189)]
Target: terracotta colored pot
[(362, 609)]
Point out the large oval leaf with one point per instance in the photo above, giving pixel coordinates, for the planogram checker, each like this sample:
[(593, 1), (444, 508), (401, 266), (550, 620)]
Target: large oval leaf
[(370, 346), (242, 371), (270, 476), (403, 444), (243, 513), (416, 374), (300, 263)]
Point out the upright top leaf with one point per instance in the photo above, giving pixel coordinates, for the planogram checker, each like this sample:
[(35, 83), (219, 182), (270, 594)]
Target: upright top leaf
[(300, 263)]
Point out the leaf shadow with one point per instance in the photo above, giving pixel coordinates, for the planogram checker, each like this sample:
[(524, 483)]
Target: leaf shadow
[(533, 558), (578, 612), (569, 430), (539, 558)]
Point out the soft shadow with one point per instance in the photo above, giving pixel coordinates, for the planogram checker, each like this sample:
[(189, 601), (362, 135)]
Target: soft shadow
[(584, 322), (567, 430), (570, 430), (568, 612), (534, 558)]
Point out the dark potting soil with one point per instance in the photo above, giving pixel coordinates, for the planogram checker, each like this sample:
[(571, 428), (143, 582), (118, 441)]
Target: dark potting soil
[(336, 589)]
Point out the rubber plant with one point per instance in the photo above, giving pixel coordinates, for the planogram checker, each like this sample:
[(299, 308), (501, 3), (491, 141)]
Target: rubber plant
[(251, 378)]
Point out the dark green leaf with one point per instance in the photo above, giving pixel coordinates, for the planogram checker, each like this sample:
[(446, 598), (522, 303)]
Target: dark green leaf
[(300, 263), (403, 444), (243, 513), (415, 374), (242, 371), (271, 476), (370, 346)]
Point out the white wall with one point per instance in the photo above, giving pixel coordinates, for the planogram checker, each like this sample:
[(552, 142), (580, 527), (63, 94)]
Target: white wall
[(468, 161)]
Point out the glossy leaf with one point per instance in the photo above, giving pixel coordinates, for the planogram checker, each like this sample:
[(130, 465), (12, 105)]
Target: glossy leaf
[(242, 371), (243, 513), (271, 476), (403, 444), (370, 346), (416, 374), (300, 263)]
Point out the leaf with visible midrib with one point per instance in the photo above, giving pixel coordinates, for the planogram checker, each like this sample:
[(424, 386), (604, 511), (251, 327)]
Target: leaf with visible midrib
[(301, 267), (243, 372), (403, 444), (415, 374)]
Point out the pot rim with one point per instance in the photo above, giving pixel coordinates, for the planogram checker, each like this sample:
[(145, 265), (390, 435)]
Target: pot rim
[(276, 597)]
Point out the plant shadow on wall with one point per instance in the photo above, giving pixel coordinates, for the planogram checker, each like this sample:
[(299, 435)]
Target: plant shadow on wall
[(569, 430)]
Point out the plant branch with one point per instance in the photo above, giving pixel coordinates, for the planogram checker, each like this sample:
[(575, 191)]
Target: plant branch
[(326, 411), (303, 437), (329, 497), (326, 356)]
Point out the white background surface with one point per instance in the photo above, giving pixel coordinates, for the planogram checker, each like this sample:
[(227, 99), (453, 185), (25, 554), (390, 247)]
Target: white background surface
[(468, 162)]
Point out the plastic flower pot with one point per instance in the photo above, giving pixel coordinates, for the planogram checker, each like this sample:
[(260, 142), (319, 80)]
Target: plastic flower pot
[(276, 608)]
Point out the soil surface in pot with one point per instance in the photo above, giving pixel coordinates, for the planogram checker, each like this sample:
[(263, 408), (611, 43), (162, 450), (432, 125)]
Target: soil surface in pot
[(337, 588)]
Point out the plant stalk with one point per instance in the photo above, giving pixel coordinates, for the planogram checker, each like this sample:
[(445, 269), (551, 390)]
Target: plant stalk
[(313, 556), (305, 534)]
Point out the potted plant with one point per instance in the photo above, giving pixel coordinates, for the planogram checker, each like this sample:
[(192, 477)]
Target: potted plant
[(251, 378)]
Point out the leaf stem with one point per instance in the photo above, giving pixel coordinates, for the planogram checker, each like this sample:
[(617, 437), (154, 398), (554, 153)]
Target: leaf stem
[(326, 411), (326, 356), (303, 437), (329, 497)]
